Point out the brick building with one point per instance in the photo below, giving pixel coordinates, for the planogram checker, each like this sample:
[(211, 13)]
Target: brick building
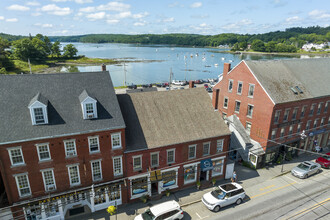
[(174, 139), (62, 144), (276, 101)]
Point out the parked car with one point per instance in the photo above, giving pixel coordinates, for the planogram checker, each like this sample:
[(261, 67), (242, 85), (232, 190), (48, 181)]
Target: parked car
[(146, 85), (170, 210), (132, 86), (224, 195), (206, 86), (324, 161), (179, 82), (306, 169), (208, 89)]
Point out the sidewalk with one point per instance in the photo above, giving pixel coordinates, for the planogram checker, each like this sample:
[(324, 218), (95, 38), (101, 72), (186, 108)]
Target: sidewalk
[(247, 177)]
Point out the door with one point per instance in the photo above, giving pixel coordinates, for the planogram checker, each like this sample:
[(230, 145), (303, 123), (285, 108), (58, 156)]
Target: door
[(229, 170)]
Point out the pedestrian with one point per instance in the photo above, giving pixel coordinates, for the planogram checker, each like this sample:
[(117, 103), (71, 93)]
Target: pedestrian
[(234, 178), (317, 148)]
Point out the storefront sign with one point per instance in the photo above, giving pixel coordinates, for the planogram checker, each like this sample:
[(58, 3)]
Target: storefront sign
[(155, 176), (206, 165)]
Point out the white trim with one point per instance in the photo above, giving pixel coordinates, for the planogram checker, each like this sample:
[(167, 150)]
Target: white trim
[(232, 87), (74, 165), (10, 156), (42, 145), (209, 148), (121, 164), (223, 163), (98, 144), (254, 86), (192, 164), (138, 176), (239, 106), (195, 165), (247, 114), (190, 146), (288, 111), (35, 105), (89, 100), (161, 188), (168, 150), (74, 145), (223, 141), (223, 105), (100, 163), (151, 154), (239, 82), (120, 144), (53, 177), (141, 166), (28, 183)]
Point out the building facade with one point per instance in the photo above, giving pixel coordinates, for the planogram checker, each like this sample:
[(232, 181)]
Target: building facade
[(276, 101)]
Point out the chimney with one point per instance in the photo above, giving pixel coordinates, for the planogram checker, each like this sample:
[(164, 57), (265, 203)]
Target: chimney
[(104, 67), (226, 69), (191, 84)]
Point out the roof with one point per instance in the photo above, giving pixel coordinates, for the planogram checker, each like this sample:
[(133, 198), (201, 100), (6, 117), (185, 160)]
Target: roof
[(156, 119), (40, 98), (65, 116), (164, 207), (277, 77)]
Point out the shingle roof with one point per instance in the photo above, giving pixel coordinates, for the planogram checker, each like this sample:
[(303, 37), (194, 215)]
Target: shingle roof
[(39, 98), (156, 119), (64, 110), (312, 76)]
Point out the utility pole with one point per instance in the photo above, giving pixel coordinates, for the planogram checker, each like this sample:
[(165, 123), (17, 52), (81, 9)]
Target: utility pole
[(171, 75), (124, 74), (185, 72), (29, 65)]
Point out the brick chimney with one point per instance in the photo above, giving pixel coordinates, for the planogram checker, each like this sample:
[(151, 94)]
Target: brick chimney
[(191, 84), (104, 67), (226, 69)]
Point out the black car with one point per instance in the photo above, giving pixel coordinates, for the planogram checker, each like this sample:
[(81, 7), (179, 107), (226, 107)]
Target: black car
[(208, 89), (147, 85), (132, 86)]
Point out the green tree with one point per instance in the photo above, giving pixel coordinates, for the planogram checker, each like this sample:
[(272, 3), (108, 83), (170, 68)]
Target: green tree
[(26, 48), (55, 49), (258, 45), (70, 51), (270, 46)]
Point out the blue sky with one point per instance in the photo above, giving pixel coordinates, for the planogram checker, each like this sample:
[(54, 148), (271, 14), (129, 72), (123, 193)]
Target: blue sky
[(208, 17)]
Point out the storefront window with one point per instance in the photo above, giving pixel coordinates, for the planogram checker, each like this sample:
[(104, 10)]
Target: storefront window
[(169, 178), (33, 211), (217, 167), (189, 174), (99, 196), (139, 185), (114, 192), (51, 209), (253, 158)]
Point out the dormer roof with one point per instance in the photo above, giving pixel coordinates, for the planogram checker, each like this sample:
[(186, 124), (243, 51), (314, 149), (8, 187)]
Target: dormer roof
[(84, 95), (40, 98)]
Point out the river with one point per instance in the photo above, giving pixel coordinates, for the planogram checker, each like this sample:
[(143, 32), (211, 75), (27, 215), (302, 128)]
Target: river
[(186, 63)]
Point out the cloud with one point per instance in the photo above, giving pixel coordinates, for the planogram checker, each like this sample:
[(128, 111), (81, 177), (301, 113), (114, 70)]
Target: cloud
[(36, 14), (140, 15), (96, 16), (196, 5), (200, 16), (12, 20), (33, 3), (114, 6), (141, 23), (55, 10), (18, 8), (175, 5), (83, 1), (44, 25), (2, 18), (279, 3), (166, 20), (112, 21), (319, 15), (293, 19), (238, 26)]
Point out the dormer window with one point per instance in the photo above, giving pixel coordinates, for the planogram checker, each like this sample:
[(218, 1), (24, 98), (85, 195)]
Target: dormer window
[(38, 110), (88, 105)]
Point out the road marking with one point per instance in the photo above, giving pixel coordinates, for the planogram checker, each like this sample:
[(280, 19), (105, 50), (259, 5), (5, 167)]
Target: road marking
[(264, 193), (299, 182), (201, 217), (310, 208), (267, 187)]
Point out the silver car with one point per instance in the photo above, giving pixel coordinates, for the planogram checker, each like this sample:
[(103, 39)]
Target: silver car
[(306, 169)]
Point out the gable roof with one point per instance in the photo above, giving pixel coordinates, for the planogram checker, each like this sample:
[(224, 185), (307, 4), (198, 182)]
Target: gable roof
[(156, 119), (312, 76), (64, 109), (40, 98)]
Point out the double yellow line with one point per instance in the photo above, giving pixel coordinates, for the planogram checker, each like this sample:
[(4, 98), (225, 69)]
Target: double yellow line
[(310, 208), (261, 194)]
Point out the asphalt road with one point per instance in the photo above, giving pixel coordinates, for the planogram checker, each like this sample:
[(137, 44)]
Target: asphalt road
[(284, 197)]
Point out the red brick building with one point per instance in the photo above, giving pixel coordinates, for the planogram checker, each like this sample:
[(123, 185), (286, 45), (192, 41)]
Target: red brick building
[(62, 144), (174, 139), (276, 101)]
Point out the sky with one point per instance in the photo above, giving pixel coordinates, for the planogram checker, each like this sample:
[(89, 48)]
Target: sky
[(207, 17)]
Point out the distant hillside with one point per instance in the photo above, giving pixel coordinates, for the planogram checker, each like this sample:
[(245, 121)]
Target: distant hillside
[(11, 37)]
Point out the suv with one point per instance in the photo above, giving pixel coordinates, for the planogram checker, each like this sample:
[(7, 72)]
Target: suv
[(170, 210), (224, 195)]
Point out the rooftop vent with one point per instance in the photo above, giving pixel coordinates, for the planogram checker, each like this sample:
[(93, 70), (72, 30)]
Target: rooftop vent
[(294, 91), (300, 91)]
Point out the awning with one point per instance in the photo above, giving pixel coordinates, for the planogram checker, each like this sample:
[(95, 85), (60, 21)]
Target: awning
[(155, 176), (206, 165)]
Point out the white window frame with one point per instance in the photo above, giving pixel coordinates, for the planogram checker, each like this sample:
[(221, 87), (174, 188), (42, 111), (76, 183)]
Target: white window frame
[(84, 103), (121, 166), (231, 82), (137, 168), (98, 144), (152, 154), (208, 149), (322, 121), (299, 127), (315, 123), (250, 112), (21, 154), (286, 115), (44, 179), (93, 171), (251, 86), (290, 129), (312, 110), (112, 140), (277, 116), (248, 128), (176, 169), (37, 105), (273, 134), (78, 172), (238, 86), (195, 171), (236, 101), (223, 160), (319, 107), (70, 153), (295, 113), (225, 104), (18, 186), (38, 150), (303, 111), (326, 106), (282, 133), (308, 124), (167, 151), (189, 147), (220, 143)]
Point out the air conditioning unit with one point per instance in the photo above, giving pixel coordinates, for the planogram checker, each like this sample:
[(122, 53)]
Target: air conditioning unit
[(50, 187), (70, 153), (90, 115)]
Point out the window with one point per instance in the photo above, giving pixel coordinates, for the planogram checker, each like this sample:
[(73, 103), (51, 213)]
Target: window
[(277, 116), (170, 156), (230, 86), (192, 152), (308, 125), (225, 102), (311, 111), (96, 170), (294, 113), (49, 180), (117, 166), (219, 145), (154, 159), (170, 178), (239, 88), (290, 129), (248, 126), (326, 107), (70, 148), (251, 90), (189, 173), (39, 115), (319, 108), (16, 156), (43, 152), (23, 185), (237, 106), (217, 167), (299, 127), (74, 175), (93, 144), (273, 133), (250, 111), (137, 163), (315, 123), (88, 105), (303, 110), (116, 140), (224, 114), (89, 108), (282, 132), (322, 122), (286, 115), (206, 148)]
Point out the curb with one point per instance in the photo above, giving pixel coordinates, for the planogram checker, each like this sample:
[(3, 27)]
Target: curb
[(190, 203), (282, 174)]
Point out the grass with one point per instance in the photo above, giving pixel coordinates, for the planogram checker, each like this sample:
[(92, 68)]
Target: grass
[(22, 66)]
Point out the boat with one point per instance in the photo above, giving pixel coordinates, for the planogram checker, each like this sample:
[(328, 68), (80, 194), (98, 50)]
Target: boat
[(223, 58), (216, 64)]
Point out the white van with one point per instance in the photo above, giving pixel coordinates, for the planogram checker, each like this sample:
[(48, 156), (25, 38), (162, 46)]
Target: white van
[(170, 210)]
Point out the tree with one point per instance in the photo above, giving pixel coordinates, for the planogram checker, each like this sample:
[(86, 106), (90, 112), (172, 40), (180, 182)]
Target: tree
[(26, 48), (70, 51), (5, 62), (55, 49), (258, 45)]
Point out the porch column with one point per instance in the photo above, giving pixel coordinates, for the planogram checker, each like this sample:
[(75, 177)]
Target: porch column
[(60, 209), (43, 213)]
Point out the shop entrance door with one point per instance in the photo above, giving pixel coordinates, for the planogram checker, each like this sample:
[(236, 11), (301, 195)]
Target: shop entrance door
[(154, 188)]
